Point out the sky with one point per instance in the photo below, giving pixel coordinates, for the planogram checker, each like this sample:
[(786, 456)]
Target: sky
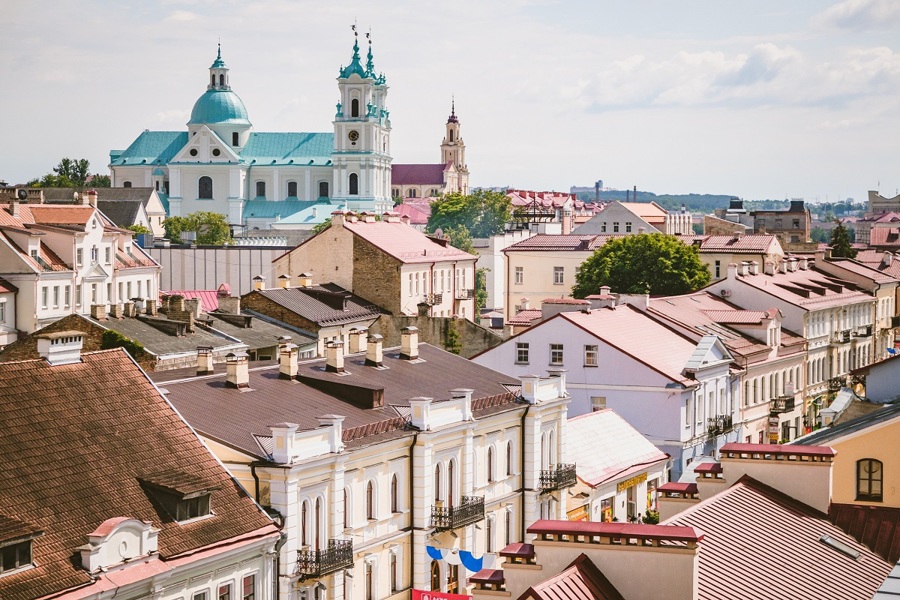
[(757, 99)]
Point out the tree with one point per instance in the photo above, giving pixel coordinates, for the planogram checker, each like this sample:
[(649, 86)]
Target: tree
[(484, 213), (322, 226), (840, 242), (71, 172), (211, 228), (652, 263), (139, 229)]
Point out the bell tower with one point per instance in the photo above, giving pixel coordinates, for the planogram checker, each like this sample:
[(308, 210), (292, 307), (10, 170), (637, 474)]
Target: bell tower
[(453, 153), (362, 127)]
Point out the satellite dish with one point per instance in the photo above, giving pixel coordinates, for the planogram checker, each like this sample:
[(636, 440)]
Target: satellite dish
[(439, 233), (75, 196), (22, 194)]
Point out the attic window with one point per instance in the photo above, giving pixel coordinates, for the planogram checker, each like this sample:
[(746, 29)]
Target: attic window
[(183, 496), (15, 556), (15, 545)]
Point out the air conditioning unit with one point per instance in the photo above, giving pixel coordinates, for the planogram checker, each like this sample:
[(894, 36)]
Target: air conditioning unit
[(725, 293)]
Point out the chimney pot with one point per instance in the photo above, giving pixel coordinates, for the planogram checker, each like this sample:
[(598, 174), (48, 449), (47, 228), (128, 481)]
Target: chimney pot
[(374, 351), (259, 282), (284, 281), (205, 360), (237, 369), (304, 280), (287, 359), (334, 357), (358, 340), (230, 305), (409, 343)]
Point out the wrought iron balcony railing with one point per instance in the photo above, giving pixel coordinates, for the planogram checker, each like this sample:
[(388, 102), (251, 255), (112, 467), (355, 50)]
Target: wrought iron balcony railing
[(559, 477), (469, 511), (465, 294), (781, 404), (719, 425), (312, 564)]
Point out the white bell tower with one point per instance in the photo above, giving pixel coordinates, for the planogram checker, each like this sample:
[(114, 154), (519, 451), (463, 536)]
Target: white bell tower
[(362, 128)]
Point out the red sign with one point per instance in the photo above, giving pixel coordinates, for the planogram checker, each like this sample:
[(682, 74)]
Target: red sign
[(423, 595)]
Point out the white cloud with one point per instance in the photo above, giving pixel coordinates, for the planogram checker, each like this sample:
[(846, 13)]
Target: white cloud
[(181, 16), (859, 15)]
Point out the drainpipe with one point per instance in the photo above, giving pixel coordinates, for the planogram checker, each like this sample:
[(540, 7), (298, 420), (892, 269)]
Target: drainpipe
[(256, 482), (412, 529), (522, 490)]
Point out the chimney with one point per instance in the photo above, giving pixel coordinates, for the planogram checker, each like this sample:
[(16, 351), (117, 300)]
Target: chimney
[(230, 305), (886, 259), (116, 310), (259, 282), (91, 197), (420, 411), (60, 348), (405, 219), (769, 267), (127, 309), (744, 268), (639, 301), (14, 209), (409, 343), (338, 218), (192, 305), (761, 229), (150, 308), (98, 312), (358, 340), (797, 206), (176, 303), (205, 360), (374, 353), (754, 267), (284, 281), (334, 357), (283, 442), (524, 303), (783, 267), (237, 371), (287, 360), (732, 270), (792, 266), (605, 290), (304, 280), (529, 387), (804, 263)]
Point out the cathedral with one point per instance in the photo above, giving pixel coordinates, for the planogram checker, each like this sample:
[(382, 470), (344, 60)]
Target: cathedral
[(220, 164)]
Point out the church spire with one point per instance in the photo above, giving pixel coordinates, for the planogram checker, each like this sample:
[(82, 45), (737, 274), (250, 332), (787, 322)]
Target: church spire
[(452, 118), (218, 73), (355, 66), (370, 62)]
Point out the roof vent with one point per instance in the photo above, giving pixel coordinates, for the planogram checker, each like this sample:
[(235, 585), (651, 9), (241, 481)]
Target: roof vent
[(288, 354), (60, 348), (237, 370), (205, 360), (334, 357), (374, 352)]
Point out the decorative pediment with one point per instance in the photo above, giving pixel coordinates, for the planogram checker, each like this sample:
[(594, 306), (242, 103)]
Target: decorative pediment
[(205, 147), (117, 541)]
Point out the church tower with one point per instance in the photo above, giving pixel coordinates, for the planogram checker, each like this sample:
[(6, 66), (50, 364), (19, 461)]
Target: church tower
[(220, 109), (362, 128), (453, 154)]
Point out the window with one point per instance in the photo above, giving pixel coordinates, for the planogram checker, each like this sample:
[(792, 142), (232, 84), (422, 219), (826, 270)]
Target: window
[(126, 184), (489, 536), (107, 254), (450, 480), (260, 189), (395, 494), (235, 139), (323, 189), (395, 573), (869, 478), (55, 296), (370, 501), (509, 459), (718, 269), (437, 482), (598, 403), (508, 527), (318, 524), (292, 189), (370, 588), (490, 464), (346, 509), (435, 576), (248, 591), (395, 192), (411, 193), (221, 79), (603, 227), (15, 556), (205, 188), (304, 523), (2, 312), (204, 595), (44, 296), (354, 108), (556, 354), (78, 295), (615, 227), (627, 226), (79, 256), (522, 353), (191, 508), (225, 591), (354, 184), (95, 254), (520, 275), (558, 275), (590, 356)]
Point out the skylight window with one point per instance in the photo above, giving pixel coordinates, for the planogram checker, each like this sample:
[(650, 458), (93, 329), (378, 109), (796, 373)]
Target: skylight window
[(839, 546)]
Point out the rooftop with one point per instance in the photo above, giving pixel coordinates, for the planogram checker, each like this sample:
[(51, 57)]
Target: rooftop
[(741, 244), (826, 435), (581, 580), (563, 243), (405, 243), (422, 174), (327, 304), (809, 289)]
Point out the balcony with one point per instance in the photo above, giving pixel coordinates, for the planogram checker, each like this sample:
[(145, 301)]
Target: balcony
[(864, 331), (312, 564), (464, 294), (835, 384), (559, 477), (470, 510), (895, 321), (841, 337), (432, 299), (719, 425), (781, 404)]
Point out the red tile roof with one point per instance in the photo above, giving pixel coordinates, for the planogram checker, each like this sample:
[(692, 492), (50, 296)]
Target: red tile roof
[(405, 243), (743, 244), (417, 211), (809, 289), (762, 544), (581, 580), (567, 301), (6, 287), (61, 214), (564, 243), (884, 236), (525, 317), (431, 174), (545, 199), (76, 438), (776, 449)]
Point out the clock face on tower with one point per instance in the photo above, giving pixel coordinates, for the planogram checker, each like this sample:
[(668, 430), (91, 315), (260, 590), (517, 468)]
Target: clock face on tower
[(353, 135)]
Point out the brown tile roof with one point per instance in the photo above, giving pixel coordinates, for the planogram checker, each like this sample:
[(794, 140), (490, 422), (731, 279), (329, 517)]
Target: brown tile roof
[(760, 543), (6, 287), (859, 268), (553, 242), (76, 439), (242, 419), (809, 289), (47, 260), (875, 259), (525, 317), (55, 214), (743, 244), (405, 243), (137, 258), (322, 304), (581, 580)]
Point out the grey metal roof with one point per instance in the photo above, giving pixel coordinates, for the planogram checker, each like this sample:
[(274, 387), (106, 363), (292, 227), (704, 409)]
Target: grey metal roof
[(262, 333), (311, 303), (890, 589), (828, 434), (161, 343), (123, 213)]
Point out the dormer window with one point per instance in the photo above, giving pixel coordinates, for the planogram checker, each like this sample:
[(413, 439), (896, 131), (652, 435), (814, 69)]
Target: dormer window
[(16, 539), (183, 496)]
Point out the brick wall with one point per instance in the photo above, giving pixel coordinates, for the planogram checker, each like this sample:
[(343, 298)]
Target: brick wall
[(376, 276), (435, 331), (259, 303), (328, 257)]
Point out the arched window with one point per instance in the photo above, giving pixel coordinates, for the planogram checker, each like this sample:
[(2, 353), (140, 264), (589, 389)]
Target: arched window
[(544, 450), (370, 587), (212, 79), (450, 483), (126, 184), (869, 479), (318, 523), (304, 523), (292, 189), (354, 184), (509, 459), (354, 108), (395, 496), (204, 188), (490, 464), (260, 189), (451, 135), (370, 501), (437, 482), (435, 576), (157, 186), (235, 139), (221, 79), (323, 189), (346, 509), (411, 194), (395, 574)]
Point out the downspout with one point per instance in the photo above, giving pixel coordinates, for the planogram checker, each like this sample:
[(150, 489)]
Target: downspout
[(256, 482), (522, 452), (412, 529)]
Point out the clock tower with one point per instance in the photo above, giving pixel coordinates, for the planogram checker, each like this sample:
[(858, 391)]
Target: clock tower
[(362, 132)]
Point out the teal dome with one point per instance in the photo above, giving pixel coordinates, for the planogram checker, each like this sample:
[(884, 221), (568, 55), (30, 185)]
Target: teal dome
[(222, 107)]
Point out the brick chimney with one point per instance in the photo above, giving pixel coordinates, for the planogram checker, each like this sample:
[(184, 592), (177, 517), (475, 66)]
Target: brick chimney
[(150, 308), (230, 305), (374, 352), (358, 340), (91, 197), (334, 357), (287, 360), (98, 312), (205, 360), (409, 343), (284, 281), (61, 347), (116, 310), (127, 309), (193, 306), (259, 282), (304, 280), (237, 370)]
